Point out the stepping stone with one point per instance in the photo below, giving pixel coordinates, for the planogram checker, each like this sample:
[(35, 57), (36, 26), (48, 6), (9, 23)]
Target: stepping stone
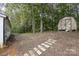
[(37, 51), (31, 53), (48, 43), (26, 54), (41, 47), (47, 46)]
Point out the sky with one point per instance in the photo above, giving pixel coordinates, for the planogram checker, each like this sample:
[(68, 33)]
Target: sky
[(2, 6)]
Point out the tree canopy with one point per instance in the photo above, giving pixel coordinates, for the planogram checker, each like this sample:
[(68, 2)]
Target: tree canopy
[(39, 17)]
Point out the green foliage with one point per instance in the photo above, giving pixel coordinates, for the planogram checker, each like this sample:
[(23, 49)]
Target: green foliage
[(26, 17)]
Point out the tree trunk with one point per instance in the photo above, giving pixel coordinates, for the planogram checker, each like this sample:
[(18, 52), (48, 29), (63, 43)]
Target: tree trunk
[(33, 25), (41, 25), (33, 21)]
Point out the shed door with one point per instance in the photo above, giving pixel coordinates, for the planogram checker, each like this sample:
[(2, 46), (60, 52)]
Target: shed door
[(68, 25)]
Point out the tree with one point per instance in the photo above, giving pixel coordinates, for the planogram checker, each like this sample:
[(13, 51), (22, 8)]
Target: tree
[(39, 17)]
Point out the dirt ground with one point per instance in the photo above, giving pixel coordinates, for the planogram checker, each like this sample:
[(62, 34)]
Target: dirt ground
[(67, 44)]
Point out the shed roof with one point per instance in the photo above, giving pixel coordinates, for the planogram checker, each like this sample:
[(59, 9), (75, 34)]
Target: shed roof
[(2, 15)]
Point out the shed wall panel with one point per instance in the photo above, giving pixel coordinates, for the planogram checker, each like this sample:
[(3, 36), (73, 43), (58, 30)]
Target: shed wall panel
[(1, 32)]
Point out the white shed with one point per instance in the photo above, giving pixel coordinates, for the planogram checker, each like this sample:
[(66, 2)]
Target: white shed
[(5, 29), (67, 24)]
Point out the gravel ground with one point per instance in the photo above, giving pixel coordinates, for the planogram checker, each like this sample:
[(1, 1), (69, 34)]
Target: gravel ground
[(67, 44)]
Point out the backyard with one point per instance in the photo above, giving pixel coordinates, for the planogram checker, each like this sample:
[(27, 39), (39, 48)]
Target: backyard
[(44, 29)]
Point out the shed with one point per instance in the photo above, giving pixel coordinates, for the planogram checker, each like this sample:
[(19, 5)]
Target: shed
[(5, 29), (67, 24)]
